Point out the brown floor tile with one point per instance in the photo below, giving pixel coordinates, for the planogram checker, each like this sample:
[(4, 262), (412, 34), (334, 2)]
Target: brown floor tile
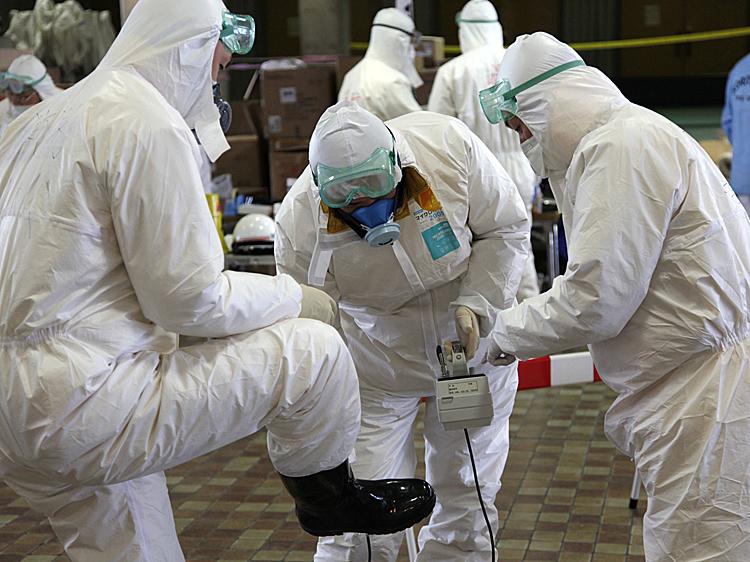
[(565, 491)]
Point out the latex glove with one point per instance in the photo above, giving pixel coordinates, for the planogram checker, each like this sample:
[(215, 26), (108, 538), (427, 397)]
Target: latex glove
[(467, 328), (318, 305), (497, 357)]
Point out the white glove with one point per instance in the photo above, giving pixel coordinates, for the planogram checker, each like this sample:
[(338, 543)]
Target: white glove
[(318, 305), (497, 357), (467, 328)]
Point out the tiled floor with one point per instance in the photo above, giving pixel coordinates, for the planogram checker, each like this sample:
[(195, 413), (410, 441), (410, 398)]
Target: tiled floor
[(565, 495)]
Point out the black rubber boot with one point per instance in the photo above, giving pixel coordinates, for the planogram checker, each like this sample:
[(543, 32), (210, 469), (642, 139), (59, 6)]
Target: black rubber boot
[(333, 502)]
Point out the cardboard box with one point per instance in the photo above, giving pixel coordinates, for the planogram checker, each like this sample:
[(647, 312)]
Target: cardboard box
[(242, 80), (288, 159), (8, 55), (293, 144), (292, 100), (430, 52), (245, 160), (242, 120), (343, 65)]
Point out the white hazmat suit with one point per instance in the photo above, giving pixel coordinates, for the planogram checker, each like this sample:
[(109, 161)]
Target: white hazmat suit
[(107, 251), (27, 65), (383, 81), (455, 93), (464, 240), (658, 285)]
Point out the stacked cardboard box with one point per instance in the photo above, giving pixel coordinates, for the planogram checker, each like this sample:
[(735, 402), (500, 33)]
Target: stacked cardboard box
[(292, 100), (8, 55), (343, 65), (430, 52), (245, 160), (287, 160)]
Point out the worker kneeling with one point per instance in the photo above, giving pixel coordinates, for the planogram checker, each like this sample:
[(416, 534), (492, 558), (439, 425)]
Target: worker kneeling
[(108, 252), (418, 232)]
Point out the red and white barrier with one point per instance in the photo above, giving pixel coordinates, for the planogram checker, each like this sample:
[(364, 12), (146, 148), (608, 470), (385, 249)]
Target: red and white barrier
[(556, 370)]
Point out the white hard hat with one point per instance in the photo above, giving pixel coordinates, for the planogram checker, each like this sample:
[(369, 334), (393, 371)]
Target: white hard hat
[(254, 231)]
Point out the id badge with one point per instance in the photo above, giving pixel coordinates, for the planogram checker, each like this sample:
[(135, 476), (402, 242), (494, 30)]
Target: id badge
[(437, 233)]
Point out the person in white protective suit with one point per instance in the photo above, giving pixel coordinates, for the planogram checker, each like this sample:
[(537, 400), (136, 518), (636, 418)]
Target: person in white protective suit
[(108, 252), (454, 93), (459, 239), (383, 81), (657, 283), (25, 84)]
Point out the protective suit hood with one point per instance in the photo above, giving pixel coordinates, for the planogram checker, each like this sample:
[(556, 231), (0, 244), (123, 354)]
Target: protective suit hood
[(346, 135), (390, 43), (479, 26), (29, 65), (563, 109), (171, 45)]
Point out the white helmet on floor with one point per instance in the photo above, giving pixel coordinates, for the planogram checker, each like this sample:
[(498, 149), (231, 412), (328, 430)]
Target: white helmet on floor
[(253, 233)]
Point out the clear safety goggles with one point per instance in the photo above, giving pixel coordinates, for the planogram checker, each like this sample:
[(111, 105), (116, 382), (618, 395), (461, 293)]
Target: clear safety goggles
[(373, 178), (415, 36), (238, 33), (499, 101), (17, 83)]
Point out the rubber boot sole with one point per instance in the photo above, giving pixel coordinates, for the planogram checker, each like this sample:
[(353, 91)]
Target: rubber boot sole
[(421, 514)]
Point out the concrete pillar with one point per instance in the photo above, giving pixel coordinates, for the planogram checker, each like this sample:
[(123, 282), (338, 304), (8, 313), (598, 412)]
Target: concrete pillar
[(324, 27)]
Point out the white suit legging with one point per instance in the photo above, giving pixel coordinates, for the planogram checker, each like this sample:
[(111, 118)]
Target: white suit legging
[(385, 448), (192, 401)]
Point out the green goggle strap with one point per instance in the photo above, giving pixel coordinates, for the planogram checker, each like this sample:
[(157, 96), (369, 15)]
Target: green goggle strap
[(20, 78), (459, 20), (512, 93)]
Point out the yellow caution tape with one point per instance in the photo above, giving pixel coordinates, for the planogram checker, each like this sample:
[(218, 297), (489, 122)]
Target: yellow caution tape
[(629, 43), (663, 40)]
